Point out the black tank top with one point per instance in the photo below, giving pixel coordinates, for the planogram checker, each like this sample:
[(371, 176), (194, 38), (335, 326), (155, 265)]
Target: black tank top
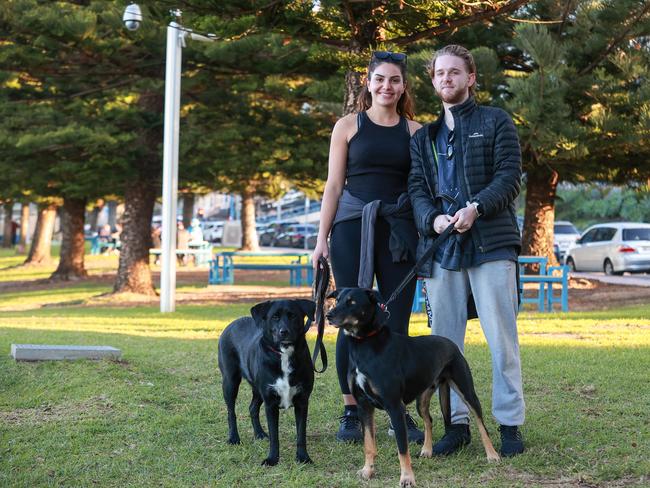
[(379, 160)]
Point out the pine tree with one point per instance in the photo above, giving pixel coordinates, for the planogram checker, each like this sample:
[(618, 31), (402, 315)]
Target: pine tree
[(578, 102)]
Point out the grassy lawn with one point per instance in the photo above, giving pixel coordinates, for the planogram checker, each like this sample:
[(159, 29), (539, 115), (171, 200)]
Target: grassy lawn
[(157, 417)]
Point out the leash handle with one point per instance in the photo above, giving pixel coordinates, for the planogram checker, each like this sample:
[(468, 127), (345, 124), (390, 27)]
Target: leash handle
[(428, 253), (321, 284)]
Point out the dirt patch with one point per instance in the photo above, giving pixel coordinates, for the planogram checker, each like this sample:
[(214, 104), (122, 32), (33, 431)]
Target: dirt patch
[(584, 295), (529, 479), (590, 295), (93, 407)]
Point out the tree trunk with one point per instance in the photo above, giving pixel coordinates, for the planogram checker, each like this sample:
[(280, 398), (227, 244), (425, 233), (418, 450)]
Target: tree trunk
[(6, 233), (188, 209), (353, 86), (94, 215), (24, 228), (71, 262), (541, 187), (134, 274), (249, 236), (40, 251)]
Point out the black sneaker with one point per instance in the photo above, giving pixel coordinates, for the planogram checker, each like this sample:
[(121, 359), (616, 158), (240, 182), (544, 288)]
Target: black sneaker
[(456, 436), (350, 429), (414, 434), (511, 441)]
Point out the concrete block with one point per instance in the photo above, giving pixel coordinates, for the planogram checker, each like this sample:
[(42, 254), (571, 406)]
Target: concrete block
[(42, 352)]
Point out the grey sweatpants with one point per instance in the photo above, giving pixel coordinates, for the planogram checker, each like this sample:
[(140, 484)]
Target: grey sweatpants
[(494, 287)]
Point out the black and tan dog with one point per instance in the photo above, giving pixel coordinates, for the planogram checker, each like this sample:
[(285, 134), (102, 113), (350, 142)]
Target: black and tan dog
[(389, 370), (269, 351)]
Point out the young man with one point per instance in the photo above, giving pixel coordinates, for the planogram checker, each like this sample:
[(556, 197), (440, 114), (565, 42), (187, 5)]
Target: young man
[(466, 171)]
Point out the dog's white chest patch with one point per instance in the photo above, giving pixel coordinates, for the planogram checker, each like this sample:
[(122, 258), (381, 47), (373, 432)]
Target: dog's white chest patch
[(360, 379), (285, 391)]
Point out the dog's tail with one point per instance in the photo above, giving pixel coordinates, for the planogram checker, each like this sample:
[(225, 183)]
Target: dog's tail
[(322, 282)]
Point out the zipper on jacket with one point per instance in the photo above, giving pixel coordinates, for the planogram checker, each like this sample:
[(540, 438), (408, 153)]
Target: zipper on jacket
[(476, 236)]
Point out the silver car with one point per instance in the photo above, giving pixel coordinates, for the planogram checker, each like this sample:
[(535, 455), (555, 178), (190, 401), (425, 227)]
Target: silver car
[(565, 234), (613, 248)]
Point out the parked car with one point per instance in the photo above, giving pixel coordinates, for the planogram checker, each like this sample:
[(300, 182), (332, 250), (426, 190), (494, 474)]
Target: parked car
[(265, 234), (565, 234), (613, 248), (295, 235), (212, 230)]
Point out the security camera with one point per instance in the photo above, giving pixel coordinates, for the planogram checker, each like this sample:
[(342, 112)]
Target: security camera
[(132, 17)]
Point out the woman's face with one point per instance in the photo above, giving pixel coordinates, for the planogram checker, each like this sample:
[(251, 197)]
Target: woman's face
[(386, 84)]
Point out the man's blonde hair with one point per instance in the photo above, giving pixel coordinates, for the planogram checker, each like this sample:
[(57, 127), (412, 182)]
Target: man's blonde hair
[(459, 52)]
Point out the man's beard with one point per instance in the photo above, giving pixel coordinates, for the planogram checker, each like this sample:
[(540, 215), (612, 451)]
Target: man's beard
[(454, 96)]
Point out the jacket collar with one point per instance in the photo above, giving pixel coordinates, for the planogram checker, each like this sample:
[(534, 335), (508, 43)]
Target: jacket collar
[(459, 110), (464, 108)]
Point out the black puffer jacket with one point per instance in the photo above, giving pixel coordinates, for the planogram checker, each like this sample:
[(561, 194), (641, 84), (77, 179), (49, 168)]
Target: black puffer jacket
[(491, 175)]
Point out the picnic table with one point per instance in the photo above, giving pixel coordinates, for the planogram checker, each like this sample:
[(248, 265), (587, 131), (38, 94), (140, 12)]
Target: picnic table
[(201, 252), (224, 264), (548, 278)]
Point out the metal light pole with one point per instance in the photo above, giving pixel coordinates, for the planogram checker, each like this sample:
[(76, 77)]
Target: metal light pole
[(175, 43), (176, 34)]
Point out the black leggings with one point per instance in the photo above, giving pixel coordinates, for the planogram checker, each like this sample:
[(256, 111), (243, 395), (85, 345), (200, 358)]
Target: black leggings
[(345, 253)]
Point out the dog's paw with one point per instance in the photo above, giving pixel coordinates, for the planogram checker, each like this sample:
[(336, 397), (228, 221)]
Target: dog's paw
[(269, 461), (407, 481), (366, 473), (494, 458), (261, 435), (234, 440), (426, 453), (304, 459)]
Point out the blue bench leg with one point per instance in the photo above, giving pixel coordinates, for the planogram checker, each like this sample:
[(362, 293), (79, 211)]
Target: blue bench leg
[(294, 277), (417, 297), (565, 290)]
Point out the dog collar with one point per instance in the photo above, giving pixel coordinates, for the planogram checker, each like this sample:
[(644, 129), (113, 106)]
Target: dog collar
[(272, 349), (360, 338)]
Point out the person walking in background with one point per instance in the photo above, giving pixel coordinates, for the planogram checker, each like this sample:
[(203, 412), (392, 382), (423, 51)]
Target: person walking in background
[(196, 232), (366, 211), (182, 242), (466, 171)]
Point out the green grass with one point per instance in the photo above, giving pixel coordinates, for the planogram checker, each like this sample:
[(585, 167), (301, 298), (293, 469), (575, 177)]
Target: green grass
[(157, 417)]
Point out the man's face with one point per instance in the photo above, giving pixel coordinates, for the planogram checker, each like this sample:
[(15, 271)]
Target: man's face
[(451, 80)]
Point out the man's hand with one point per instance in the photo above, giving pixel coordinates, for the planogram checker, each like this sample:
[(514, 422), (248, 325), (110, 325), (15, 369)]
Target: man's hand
[(441, 222), (465, 218)]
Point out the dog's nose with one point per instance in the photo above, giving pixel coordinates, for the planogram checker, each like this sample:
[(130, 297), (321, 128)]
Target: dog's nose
[(284, 333)]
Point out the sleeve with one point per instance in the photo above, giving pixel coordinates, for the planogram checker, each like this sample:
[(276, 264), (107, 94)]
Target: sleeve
[(506, 180), (424, 208)]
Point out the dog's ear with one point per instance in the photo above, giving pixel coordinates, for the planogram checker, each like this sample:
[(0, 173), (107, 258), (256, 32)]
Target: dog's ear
[(373, 295), (259, 311), (334, 294), (308, 307)]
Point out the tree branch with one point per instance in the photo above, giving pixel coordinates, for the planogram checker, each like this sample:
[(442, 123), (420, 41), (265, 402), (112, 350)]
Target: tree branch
[(454, 24), (617, 41)]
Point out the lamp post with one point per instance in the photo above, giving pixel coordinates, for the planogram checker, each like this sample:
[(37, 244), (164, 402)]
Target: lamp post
[(176, 35)]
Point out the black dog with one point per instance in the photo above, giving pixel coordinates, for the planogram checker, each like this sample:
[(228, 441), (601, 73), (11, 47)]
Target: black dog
[(269, 350), (389, 370)]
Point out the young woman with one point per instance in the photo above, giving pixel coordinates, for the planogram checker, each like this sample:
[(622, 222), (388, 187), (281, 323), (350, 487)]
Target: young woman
[(367, 209)]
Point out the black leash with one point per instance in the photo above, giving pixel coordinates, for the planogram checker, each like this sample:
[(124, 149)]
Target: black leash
[(320, 290), (436, 244)]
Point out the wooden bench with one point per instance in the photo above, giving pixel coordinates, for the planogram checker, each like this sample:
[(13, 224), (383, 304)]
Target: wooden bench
[(223, 266)]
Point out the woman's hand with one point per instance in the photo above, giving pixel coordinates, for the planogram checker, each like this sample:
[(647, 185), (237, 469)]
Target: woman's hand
[(321, 249)]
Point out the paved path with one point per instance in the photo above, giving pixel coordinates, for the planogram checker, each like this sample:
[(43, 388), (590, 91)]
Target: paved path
[(628, 279)]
